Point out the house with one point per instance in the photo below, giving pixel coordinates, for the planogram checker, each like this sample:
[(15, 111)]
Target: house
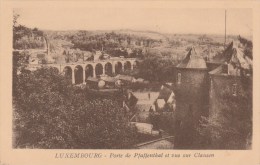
[(144, 104), (95, 83), (106, 56), (130, 100), (229, 79), (125, 80), (160, 104), (165, 100), (97, 55), (110, 81), (140, 80)]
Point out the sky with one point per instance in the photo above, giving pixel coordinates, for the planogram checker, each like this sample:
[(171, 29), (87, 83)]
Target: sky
[(166, 20)]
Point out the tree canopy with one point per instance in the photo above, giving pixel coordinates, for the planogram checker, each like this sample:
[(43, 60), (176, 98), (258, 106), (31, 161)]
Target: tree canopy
[(24, 37), (51, 113)]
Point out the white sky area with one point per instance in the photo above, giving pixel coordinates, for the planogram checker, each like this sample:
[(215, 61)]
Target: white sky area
[(166, 20)]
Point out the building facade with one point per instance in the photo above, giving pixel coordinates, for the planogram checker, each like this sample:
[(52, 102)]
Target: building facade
[(208, 88)]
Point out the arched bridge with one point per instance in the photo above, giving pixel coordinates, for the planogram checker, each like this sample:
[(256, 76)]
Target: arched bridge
[(80, 71)]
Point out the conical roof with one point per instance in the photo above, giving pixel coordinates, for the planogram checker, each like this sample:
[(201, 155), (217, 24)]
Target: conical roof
[(225, 56), (193, 61)]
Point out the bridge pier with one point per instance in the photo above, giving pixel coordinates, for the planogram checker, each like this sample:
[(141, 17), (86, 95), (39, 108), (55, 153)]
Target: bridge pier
[(84, 76), (94, 72), (123, 67), (73, 76), (104, 69), (113, 68)]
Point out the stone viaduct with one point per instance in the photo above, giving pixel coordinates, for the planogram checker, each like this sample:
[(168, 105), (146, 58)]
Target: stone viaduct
[(80, 71)]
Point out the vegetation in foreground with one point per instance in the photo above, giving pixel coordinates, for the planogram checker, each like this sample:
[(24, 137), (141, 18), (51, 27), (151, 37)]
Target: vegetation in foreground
[(50, 113)]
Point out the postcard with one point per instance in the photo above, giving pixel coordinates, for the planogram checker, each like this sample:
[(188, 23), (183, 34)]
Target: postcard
[(129, 82)]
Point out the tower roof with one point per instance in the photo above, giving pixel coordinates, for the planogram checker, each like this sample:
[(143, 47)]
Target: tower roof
[(233, 54), (225, 56), (193, 61)]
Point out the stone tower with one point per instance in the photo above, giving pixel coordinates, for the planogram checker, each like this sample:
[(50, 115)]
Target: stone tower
[(192, 90)]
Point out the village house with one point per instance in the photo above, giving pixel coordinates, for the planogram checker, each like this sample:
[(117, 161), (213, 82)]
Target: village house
[(229, 78), (97, 55), (125, 79), (95, 83), (110, 82), (166, 100)]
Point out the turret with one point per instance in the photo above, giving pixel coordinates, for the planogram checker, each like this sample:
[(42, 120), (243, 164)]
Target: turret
[(191, 88)]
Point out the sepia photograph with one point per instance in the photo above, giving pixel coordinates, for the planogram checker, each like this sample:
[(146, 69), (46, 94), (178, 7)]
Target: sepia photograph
[(135, 78)]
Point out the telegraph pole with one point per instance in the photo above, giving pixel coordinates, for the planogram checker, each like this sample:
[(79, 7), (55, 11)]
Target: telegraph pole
[(225, 28)]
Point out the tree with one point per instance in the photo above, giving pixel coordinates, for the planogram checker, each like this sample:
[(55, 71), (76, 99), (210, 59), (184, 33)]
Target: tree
[(22, 36), (155, 67), (51, 113)]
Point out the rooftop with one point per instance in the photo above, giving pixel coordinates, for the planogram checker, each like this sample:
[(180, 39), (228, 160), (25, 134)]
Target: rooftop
[(193, 61), (92, 79), (108, 79), (125, 77), (225, 56), (164, 93)]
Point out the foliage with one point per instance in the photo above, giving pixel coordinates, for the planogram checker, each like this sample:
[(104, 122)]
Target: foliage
[(231, 127), (157, 67), (25, 38), (51, 113), (163, 120), (112, 43)]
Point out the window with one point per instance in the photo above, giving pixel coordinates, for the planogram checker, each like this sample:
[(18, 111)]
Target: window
[(234, 89), (179, 78)]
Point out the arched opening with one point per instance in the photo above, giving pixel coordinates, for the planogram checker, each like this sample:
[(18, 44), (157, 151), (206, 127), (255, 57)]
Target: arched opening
[(88, 71), (68, 73), (118, 68), (127, 65), (136, 64), (78, 74), (108, 69), (99, 69)]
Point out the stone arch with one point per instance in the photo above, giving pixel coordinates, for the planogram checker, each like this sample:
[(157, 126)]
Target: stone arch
[(127, 65), (136, 64), (78, 72), (68, 72), (108, 68), (118, 67), (89, 71), (99, 69)]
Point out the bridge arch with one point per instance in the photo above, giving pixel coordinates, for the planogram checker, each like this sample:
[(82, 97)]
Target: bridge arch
[(89, 71), (108, 69), (78, 72), (118, 67), (99, 69), (68, 72), (127, 65)]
